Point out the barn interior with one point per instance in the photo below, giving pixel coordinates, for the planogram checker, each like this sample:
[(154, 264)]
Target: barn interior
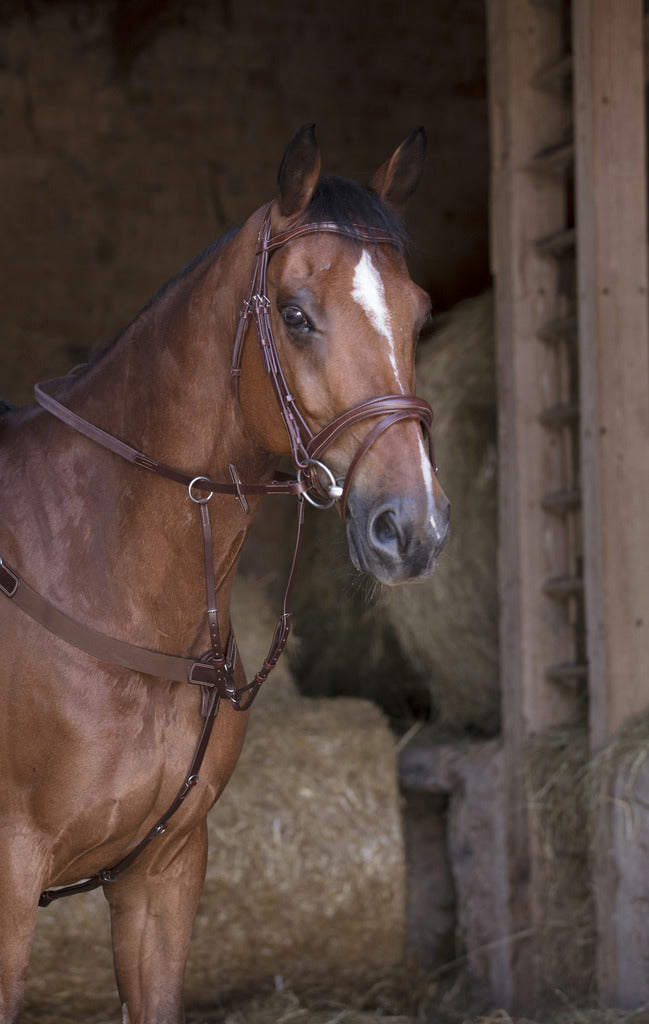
[(428, 854)]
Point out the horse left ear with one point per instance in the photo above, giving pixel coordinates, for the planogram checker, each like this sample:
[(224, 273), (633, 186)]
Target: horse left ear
[(398, 178), (298, 173)]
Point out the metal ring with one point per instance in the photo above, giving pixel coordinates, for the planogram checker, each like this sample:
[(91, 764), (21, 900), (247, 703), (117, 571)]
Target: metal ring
[(334, 489), (205, 497)]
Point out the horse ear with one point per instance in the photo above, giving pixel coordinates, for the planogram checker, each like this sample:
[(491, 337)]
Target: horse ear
[(298, 173), (399, 176)]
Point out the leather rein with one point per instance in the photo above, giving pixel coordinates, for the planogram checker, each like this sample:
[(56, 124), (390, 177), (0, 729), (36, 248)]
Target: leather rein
[(213, 672)]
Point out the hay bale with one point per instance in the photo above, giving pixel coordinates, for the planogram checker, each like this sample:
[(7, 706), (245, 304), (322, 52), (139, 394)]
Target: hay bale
[(437, 640), (306, 873), (449, 624), (557, 777), (619, 803)]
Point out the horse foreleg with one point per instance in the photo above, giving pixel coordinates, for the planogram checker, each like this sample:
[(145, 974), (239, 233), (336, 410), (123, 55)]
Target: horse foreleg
[(153, 905), (22, 874)]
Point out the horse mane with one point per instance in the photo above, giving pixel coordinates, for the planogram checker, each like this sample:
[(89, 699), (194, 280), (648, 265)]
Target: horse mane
[(350, 205)]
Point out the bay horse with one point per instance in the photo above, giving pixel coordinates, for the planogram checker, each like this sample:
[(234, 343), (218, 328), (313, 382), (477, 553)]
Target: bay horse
[(293, 336)]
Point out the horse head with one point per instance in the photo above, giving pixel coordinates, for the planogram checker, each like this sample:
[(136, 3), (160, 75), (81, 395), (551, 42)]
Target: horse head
[(343, 319)]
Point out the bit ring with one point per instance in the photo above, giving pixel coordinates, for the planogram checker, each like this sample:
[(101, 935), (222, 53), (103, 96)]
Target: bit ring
[(334, 490)]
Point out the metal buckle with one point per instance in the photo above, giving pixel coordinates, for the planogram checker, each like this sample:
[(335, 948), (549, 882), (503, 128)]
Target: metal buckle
[(8, 580), (201, 673)]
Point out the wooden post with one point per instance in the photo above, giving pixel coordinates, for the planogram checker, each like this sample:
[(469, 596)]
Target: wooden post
[(534, 632), (611, 208)]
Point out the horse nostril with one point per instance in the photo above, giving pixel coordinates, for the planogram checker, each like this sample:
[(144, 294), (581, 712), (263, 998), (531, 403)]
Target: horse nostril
[(385, 530)]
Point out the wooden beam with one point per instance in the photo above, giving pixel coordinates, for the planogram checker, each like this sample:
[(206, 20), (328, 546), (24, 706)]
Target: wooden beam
[(613, 317), (534, 631)]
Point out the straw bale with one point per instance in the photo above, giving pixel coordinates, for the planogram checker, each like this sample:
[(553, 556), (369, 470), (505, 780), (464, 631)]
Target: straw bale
[(621, 759), (557, 773), (449, 624), (306, 874), (435, 641), (307, 870), (619, 798)]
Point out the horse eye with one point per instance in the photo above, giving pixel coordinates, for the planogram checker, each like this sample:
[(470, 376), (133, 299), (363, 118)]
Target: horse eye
[(294, 318)]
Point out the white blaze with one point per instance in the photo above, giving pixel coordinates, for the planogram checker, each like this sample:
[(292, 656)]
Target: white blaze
[(368, 291), (427, 473)]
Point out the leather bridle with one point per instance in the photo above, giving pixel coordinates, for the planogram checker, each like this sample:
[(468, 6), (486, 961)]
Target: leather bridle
[(214, 671), (307, 448)]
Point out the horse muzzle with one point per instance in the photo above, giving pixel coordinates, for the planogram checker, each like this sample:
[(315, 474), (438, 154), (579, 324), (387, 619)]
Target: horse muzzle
[(395, 540)]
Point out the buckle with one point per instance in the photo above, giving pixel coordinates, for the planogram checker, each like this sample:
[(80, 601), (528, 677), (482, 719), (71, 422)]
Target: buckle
[(202, 674), (215, 676), (8, 580)]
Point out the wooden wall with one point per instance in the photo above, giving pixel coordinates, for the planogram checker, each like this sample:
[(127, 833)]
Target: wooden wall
[(569, 258)]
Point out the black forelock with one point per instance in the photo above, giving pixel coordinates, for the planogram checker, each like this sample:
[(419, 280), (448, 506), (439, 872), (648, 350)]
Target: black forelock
[(349, 204)]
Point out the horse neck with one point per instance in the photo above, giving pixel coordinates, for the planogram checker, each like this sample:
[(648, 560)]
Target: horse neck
[(165, 388), (165, 385)]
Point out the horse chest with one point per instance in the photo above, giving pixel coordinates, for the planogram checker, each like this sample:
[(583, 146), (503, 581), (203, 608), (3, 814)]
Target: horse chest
[(102, 757)]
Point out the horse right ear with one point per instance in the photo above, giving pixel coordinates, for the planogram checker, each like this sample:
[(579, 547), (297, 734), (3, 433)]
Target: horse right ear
[(298, 173), (399, 176)]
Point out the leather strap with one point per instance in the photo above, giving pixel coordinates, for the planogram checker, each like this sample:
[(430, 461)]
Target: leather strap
[(105, 648), (282, 484), (354, 231), (403, 405)]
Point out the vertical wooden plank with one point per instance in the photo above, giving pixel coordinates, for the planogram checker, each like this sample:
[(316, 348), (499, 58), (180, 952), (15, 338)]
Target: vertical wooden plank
[(614, 353), (534, 632), (614, 367)]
